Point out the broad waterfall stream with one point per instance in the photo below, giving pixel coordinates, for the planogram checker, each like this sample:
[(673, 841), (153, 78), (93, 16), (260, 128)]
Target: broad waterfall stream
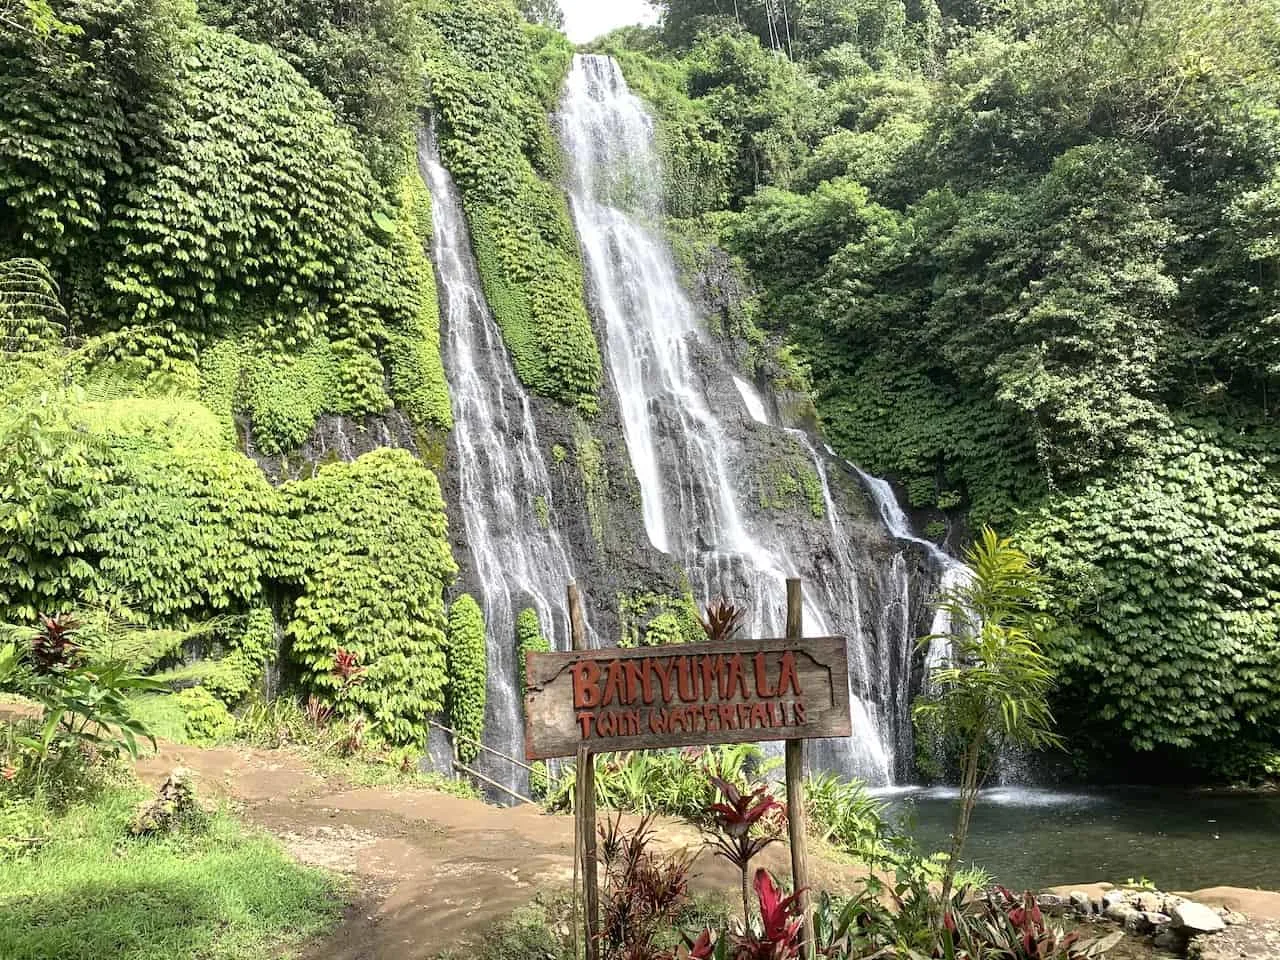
[(696, 502)]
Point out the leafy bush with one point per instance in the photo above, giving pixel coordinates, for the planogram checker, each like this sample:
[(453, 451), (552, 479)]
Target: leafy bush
[(468, 667), (208, 720), (367, 543), (674, 782), (529, 639)]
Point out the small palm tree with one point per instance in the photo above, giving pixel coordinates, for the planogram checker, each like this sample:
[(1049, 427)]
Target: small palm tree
[(993, 688)]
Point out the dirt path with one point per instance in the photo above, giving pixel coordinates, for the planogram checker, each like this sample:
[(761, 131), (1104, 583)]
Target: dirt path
[(432, 872)]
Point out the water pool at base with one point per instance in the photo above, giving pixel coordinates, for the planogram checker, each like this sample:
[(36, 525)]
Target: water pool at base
[(1033, 837)]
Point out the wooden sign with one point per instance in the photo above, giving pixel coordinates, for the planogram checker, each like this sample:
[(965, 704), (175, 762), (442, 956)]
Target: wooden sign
[(678, 695)]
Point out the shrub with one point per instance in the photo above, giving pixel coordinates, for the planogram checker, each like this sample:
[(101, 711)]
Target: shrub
[(529, 639), (208, 720), (371, 536), (467, 664), (644, 893)]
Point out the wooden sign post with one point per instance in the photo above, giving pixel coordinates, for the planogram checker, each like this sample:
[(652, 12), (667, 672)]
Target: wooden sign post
[(676, 695)]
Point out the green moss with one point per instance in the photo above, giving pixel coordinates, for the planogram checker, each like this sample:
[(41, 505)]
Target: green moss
[(648, 619), (433, 447), (595, 477), (558, 453), (418, 380), (467, 662), (541, 511), (790, 483)]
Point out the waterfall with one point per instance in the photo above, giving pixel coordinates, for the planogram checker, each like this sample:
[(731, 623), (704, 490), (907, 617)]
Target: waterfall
[(682, 425), (954, 573), (505, 503)]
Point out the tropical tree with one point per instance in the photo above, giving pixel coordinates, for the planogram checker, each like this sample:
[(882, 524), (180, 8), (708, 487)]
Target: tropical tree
[(992, 688)]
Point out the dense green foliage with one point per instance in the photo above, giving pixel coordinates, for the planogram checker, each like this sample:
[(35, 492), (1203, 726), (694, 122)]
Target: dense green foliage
[(240, 231), (189, 187), (369, 545), (363, 56), (1028, 253), (468, 668), (133, 500), (492, 80)]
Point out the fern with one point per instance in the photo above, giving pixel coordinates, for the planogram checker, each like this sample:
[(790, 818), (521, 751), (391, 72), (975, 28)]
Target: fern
[(32, 317)]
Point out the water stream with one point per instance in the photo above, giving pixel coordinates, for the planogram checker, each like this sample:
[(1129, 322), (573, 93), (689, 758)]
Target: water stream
[(506, 502), (682, 433)]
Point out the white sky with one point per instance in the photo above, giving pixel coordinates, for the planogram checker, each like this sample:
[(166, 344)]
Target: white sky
[(587, 19)]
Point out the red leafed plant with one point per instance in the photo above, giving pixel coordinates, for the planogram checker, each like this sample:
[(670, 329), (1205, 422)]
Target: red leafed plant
[(346, 667), (780, 923), (736, 835), (723, 619), (778, 937), (347, 671), (54, 647), (644, 892), (1015, 927)]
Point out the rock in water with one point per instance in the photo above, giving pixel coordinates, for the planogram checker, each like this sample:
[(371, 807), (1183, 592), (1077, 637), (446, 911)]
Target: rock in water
[(1196, 918), (1080, 902)]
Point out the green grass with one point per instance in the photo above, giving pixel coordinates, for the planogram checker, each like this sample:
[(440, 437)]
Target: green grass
[(163, 716), (223, 893)]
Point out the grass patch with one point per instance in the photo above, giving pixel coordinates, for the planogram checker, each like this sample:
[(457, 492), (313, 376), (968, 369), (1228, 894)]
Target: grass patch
[(89, 892), (163, 716)]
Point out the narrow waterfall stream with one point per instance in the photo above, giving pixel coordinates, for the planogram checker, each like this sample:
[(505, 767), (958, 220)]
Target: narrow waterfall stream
[(691, 465), (506, 504)]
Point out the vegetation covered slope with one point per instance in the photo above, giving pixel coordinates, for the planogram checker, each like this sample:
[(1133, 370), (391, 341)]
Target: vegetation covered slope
[(493, 79), (237, 233), (1029, 254)]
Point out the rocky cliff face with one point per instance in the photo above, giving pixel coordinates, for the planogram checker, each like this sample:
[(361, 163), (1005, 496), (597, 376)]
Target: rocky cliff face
[(703, 473)]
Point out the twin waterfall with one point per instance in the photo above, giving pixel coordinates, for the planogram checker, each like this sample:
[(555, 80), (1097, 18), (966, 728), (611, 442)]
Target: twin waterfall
[(694, 432)]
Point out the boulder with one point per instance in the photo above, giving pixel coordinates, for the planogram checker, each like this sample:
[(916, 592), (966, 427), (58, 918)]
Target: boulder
[(1052, 904), (1145, 921), (1233, 919), (1168, 939), (1080, 902), (1119, 912), (1196, 918), (1149, 902), (1111, 898), (1135, 921)]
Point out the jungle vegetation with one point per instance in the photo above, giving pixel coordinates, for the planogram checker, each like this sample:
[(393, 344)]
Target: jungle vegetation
[(1027, 251)]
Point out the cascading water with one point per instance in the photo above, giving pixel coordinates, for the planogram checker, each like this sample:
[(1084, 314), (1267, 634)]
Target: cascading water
[(692, 468), (506, 505), (954, 573)]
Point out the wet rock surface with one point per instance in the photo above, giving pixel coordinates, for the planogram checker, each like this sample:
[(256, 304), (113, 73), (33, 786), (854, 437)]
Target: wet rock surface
[(1202, 925)]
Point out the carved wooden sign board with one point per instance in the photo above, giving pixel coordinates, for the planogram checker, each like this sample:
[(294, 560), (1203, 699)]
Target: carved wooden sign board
[(677, 695)]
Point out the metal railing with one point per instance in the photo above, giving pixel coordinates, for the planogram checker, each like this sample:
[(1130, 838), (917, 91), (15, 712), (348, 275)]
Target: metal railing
[(459, 765)]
